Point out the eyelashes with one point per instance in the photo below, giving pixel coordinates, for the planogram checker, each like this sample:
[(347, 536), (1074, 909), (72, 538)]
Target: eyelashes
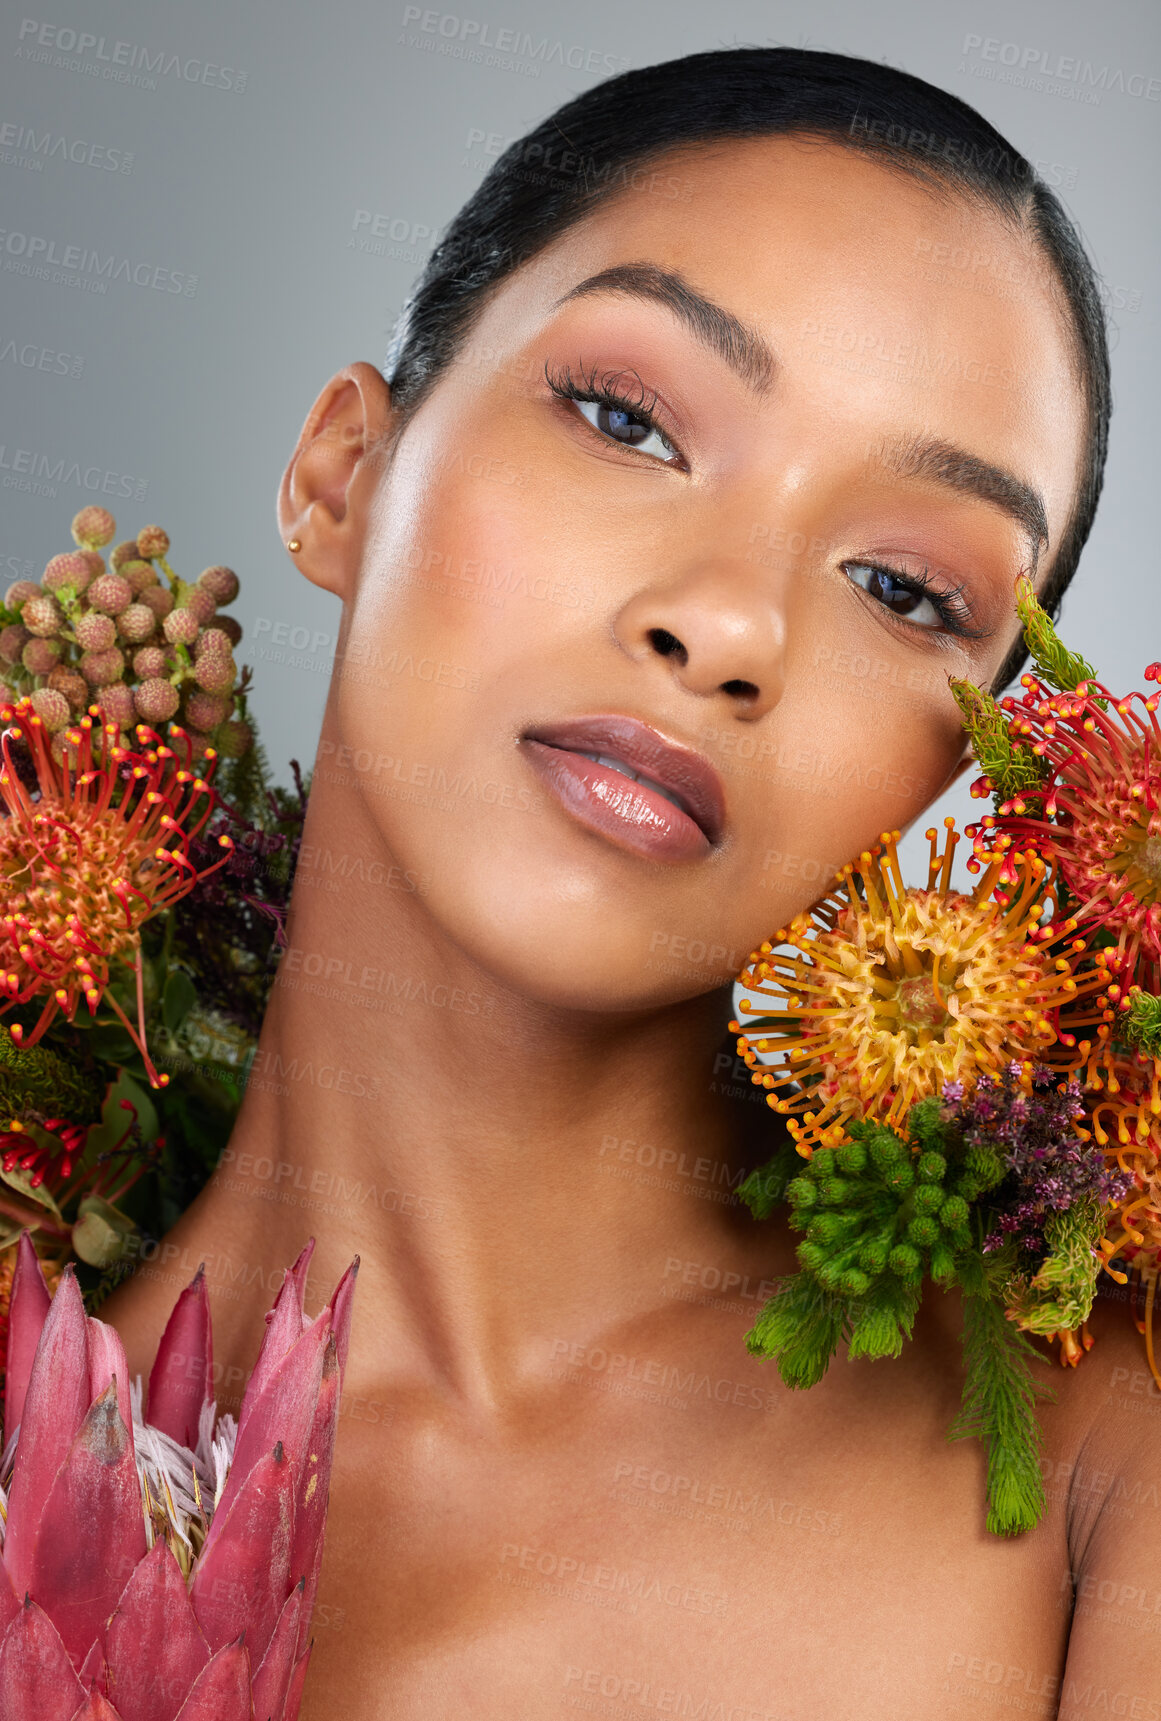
[(625, 416), (952, 611)]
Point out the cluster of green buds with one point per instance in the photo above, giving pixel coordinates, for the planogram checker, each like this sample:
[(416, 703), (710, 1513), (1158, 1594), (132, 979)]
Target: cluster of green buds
[(130, 637)]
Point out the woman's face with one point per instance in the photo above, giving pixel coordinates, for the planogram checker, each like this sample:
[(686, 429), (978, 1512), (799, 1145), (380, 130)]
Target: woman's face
[(769, 540)]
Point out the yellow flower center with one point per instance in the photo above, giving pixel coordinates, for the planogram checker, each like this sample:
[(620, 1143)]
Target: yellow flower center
[(1138, 860)]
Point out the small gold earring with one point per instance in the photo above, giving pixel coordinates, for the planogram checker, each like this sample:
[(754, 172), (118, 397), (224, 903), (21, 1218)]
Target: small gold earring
[(294, 545)]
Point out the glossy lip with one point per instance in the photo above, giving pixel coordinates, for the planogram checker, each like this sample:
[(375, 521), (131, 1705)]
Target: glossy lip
[(630, 812)]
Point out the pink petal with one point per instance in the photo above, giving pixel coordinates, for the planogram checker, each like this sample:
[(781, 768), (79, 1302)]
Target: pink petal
[(272, 1680), (92, 1532), (182, 1376), (107, 1362), (221, 1691), (37, 1680), (297, 1679), (54, 1408), (93, 1666), (284, 1324), (314, 1485), (242, 1576), (340, 1307), (301, 1267), (26, 1315), (97, 1708), (283, 1412), (153, 1644), (9, 1602)]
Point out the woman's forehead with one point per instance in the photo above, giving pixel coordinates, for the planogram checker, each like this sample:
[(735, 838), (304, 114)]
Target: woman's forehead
[(883, 303)]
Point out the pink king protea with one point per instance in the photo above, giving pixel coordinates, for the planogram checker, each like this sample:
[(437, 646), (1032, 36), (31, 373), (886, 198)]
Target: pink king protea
[(162, 1569)]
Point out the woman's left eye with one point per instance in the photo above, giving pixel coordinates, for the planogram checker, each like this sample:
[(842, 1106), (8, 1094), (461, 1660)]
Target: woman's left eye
[(621, 424), (902, 597)]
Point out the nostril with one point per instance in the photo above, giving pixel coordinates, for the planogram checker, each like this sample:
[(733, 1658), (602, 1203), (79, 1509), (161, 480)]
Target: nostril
[(667, 644), (741, 689)]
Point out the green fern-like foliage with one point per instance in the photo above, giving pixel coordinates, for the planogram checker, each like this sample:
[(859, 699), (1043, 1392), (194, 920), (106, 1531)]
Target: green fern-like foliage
[(999, 1409), (881, 1216), (1060, 1294), (1056, 664), (1141, 1024), (39, 1078), (765, 1189), (800, 1328), (1014, 771)]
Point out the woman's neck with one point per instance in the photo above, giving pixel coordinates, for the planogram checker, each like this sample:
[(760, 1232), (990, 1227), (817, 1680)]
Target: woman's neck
[(512, 1174)]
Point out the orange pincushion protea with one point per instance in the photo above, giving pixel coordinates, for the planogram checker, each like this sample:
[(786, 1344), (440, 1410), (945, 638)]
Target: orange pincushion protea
[(894, 992), (86, 859)]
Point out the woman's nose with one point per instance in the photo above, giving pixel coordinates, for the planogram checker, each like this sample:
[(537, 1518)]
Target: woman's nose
[(720, 630)]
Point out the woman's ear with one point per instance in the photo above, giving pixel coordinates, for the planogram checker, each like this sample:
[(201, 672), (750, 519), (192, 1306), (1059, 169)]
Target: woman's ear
[(330, 480)]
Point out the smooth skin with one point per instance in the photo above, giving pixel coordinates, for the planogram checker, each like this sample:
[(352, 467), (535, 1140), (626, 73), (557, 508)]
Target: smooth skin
[(495, 1062)]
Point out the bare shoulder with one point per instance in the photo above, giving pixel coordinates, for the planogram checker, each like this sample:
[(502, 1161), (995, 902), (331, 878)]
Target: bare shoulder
[(1111, 1408)]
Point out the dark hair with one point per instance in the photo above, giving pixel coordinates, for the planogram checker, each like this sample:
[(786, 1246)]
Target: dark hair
[(594, 145)]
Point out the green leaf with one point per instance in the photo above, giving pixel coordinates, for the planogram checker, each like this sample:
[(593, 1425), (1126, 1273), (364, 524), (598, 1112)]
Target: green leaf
[(115, 1120), (102, 1234), (21, 1181), (178, 1000)]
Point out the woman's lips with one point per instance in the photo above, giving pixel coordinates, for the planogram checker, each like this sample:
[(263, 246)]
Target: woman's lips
[(673, 806)]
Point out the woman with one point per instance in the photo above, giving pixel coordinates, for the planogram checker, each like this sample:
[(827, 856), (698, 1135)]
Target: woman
[(718, 429)]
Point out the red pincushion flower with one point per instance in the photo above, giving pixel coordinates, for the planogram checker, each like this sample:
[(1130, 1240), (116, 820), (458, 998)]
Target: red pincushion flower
[(98, 848), (1100, 818)]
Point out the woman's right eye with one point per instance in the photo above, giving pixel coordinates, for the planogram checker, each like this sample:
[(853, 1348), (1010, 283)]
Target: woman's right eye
[(620, 423)]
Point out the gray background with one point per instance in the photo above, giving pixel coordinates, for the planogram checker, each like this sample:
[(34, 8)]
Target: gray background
[(249, 155)]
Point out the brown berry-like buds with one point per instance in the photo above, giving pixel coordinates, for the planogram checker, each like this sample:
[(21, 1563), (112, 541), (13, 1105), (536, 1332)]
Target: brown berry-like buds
[(93, 527), (95, 632), (110, 593), (156, 700), (215, 674), (122, 553), (157, 598), (40, 656), (180, 627), (221, 583), (136, 623), (151, 661), (51, 707), (13, 640), (42, 615), (71, 569), (139, 574), (116, 704), (152, 542), (206, 710), (73, 685), (100, 667)]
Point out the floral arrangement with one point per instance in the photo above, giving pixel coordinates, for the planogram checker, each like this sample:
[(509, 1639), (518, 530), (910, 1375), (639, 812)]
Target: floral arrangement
[(157, 1559), (971, 1079), (145, 868)]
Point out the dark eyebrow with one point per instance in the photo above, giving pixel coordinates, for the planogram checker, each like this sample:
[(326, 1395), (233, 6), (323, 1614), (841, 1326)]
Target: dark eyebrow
[(939, 462), (742, 348)]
